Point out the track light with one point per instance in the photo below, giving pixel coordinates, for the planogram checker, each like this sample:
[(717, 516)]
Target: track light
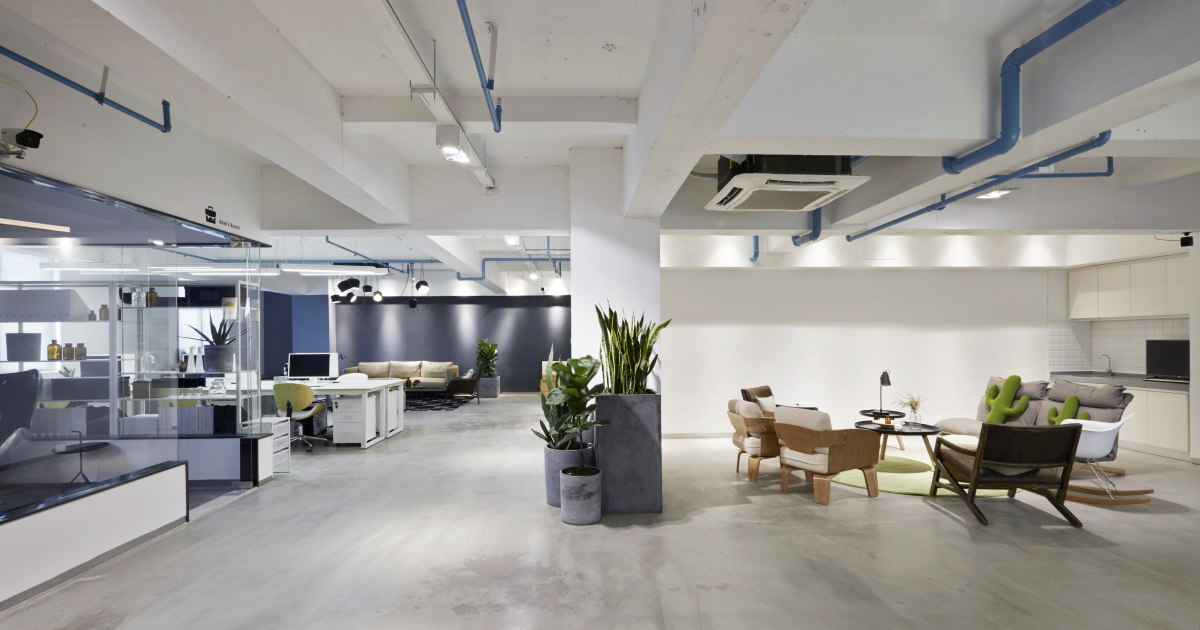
[(412, 302), (336, 299), (421, 287), (366, 289), (346, 285), (352, 298), (378, 297)]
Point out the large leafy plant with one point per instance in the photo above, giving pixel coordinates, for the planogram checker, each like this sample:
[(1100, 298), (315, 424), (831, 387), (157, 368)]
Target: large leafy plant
[(574, 398), (557, 419), (222, 335), (627, 351), (485, 357)]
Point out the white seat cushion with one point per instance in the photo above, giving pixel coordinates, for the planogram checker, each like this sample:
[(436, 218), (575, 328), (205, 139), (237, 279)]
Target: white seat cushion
[(747, 409), (807, 418), (817, 462), (751, 445), (766, 403)]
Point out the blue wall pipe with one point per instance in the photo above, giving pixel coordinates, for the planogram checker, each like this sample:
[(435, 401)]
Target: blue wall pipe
[(557, 262), (814, 233), (1010, 84), (1107, 173), (754, 254), (483, 80), (96, 96), (1096, 143)]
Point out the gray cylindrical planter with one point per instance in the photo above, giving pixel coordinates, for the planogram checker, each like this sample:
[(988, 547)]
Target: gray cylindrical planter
[(219, 358), (558, 460), (23, 346), (488, 387), (580, 497)]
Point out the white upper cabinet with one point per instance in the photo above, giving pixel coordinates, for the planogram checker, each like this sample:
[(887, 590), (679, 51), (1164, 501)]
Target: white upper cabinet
[(1148, 288), (1081, 294), (1178, 293), (1113, 291)]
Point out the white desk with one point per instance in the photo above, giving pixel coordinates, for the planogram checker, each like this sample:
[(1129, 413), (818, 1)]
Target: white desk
[(389, 405)]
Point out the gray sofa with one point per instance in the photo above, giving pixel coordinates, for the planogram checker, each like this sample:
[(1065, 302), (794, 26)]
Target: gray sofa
[(1103, 404)]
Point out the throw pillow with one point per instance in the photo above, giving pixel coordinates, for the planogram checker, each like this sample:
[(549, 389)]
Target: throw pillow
[(470, 373), (767, 403)]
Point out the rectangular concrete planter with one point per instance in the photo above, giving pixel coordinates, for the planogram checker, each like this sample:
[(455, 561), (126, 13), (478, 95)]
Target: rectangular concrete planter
[(488, 387), (629, 451)]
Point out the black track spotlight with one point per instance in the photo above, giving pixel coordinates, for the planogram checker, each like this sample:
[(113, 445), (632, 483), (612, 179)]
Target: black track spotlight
[(366, 289), (378, 297), (421, 287), (412, 302), (1186, 240), (346, 285), (352, 298), (336, 299)]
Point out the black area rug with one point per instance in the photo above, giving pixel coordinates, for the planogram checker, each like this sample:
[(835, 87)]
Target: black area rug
[(437, 403)]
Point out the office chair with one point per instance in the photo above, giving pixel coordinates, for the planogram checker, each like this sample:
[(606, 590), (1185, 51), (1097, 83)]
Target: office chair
[(298, 401)]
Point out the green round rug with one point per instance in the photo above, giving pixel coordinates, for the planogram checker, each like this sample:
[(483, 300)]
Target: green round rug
[(905, 472)]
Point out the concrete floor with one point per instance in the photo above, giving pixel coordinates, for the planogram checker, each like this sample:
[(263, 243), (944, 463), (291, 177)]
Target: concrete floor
[(446, 526)]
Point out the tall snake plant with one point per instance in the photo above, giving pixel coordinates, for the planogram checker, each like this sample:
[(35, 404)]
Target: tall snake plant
[(627, 351)]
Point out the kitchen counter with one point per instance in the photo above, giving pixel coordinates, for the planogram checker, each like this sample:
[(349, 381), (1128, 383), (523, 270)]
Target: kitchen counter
[(1127, 380)]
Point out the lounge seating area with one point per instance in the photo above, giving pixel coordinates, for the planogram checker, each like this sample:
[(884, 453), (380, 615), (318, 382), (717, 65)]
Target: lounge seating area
[(431, 372)]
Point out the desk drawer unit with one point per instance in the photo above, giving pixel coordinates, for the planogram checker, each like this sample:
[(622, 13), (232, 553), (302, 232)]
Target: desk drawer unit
[(349, 426)]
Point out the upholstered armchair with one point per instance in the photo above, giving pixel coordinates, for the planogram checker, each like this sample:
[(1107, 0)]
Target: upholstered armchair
[(810, 444), (753, 435)]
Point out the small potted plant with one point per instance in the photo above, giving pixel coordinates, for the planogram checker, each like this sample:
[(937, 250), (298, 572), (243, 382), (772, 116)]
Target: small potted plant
[(912, 403), (556, 432), (220, 352), (486, 355), (579, 486)]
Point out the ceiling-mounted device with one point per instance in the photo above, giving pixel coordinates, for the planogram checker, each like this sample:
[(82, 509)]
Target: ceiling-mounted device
[(450, 142), (781, 183)]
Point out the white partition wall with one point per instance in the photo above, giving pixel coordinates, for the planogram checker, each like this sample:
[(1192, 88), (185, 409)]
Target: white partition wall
[(824, 336), (614, 260)]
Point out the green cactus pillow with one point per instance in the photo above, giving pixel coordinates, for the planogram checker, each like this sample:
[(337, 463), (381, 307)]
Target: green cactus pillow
[(1000, 401), (1070, 409)]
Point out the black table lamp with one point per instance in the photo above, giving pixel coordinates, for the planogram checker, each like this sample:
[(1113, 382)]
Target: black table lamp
[(884, 381)]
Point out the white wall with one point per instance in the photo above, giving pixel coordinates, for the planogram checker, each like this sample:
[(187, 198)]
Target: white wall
[(824, 336), (614, 260)]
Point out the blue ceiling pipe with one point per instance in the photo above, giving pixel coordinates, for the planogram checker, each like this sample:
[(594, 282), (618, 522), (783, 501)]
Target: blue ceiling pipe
[(1096, 143), (754, 254), (1010, 84), (556, 262), (99, 97), (814, 233), (1107, 173), (494, 110)]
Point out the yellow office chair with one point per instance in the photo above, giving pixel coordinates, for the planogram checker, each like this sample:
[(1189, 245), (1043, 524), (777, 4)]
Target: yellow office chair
[(297, 399)]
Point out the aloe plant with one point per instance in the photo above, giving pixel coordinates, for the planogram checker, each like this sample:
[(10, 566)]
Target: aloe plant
[(222, 335), (627, 351), (486, 356)]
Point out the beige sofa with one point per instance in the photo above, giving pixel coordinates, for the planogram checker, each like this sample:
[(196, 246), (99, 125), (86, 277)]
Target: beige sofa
[(427, 371)]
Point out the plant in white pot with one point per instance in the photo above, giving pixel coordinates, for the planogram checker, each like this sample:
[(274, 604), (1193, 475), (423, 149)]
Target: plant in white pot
[(560, 441), (220, 350), (579, 486), (486, 355)]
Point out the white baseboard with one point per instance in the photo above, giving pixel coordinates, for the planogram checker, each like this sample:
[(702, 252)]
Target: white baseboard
[(677, 436)]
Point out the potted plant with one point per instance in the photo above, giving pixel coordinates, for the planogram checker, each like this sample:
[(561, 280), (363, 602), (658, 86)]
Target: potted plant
[(629, 448), (220, 352), (560, 442), (485, 357), (579, 486)]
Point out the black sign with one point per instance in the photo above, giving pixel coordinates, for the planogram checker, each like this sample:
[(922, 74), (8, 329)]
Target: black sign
[(210, 215)]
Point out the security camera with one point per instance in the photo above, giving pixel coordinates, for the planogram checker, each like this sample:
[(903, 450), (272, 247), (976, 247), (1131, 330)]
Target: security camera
[(543, 289), (21, 137)]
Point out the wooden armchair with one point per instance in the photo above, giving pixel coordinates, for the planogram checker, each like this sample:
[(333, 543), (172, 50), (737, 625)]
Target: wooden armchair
[(1010, 457), (810, 444), (754, 435)]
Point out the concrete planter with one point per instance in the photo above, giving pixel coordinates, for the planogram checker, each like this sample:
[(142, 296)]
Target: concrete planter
[(580, 497), (629, 449), (558, 460), (488, 387)]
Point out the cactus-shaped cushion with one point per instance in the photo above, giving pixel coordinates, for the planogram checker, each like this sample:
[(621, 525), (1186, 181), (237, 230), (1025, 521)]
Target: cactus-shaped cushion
[(1000, 401), (1070, 409)]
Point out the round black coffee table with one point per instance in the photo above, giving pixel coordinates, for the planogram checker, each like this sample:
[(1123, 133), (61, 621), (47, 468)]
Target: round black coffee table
[(885, 429)]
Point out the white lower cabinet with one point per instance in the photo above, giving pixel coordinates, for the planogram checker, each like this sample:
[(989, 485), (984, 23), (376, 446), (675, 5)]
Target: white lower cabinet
[(1137, 427), (1169, 420)]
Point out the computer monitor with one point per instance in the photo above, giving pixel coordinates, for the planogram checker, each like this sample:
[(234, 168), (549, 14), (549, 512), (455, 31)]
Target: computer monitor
[(313, 365)]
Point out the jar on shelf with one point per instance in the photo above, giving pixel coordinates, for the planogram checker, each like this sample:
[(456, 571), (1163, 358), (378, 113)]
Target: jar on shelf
[(80, 352), (151, 297), (103, 312), (91, 316), (68, 352), (54, 351)]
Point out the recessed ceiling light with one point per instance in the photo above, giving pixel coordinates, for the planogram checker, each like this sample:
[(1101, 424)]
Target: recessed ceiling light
[(995, 194), (35, 226), (157, 242), (512, 241)]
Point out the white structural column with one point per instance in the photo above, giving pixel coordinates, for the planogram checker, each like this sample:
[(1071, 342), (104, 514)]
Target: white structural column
[(1194, 333), (614, 260)]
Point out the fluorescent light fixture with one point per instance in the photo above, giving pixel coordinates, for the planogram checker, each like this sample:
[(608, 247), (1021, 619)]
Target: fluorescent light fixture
[(995, 194), (265, 271), (98, 268), (449, 141), (35, 226), (157, 242), (333, 270), (183, 268)]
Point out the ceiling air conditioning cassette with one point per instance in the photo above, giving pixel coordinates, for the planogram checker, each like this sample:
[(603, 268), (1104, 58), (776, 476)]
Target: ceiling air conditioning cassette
[(781, 183)]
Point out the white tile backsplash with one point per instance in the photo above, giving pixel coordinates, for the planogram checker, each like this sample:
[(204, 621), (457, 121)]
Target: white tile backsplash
[(1070, 342)]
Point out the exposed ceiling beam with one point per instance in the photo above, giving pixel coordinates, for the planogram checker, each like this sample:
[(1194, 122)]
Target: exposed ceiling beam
[(460, 254), (1154, 170), (381, 114)]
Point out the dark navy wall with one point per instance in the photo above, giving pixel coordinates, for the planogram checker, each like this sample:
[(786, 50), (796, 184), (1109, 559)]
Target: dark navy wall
[(310, 323), (292, 323), (445, 329)]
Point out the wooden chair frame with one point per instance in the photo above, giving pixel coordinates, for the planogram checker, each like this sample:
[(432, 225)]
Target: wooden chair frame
[(768, 441), (849, 449), (1055, 492)]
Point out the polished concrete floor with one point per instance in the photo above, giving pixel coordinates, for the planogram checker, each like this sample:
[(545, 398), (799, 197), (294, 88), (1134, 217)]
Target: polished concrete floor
[(446, 526)]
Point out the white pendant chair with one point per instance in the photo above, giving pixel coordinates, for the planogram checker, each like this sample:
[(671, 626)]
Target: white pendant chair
[(1096, 441)]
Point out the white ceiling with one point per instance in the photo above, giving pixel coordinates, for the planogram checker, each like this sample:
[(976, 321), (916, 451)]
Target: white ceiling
[(975, 19)]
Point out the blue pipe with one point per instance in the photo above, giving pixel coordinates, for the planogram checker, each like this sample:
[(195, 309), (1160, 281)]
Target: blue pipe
[(754, 254), (814, 233), (1096, 143), (483, 265), (96, 96), (1010, 84), (1107, 173), (858, 159), (364, 257), (483, 80)]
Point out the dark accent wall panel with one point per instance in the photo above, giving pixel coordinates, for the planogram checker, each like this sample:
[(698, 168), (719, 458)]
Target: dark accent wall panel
[(445, 329), (310, 323), (276, 332)]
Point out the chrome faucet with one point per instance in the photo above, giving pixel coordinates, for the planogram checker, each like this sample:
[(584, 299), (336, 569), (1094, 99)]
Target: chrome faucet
[(1109, 370)]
